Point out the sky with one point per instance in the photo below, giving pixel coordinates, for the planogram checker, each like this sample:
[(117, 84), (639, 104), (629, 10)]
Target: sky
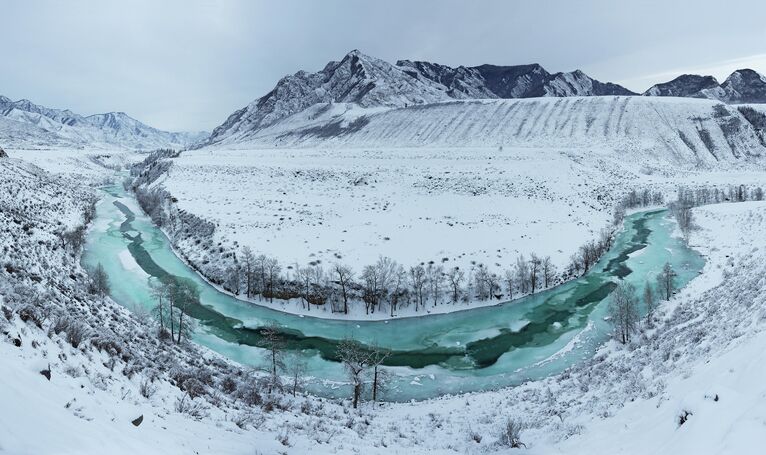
[(187, 65)]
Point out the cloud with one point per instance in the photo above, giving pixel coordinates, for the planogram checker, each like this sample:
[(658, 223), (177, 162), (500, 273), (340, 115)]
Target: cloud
[(186, 64)]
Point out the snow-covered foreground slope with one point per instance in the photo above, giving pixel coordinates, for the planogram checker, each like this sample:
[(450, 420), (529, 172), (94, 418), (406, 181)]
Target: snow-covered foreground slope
[(709, 342), (682, 131)]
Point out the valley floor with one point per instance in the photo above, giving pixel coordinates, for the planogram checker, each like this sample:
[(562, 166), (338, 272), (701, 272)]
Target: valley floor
[(451, 207), (704, 358)]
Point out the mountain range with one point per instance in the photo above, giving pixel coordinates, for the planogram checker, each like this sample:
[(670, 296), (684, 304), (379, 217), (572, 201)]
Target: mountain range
[(369, 82), (359, 86), (25, 124)]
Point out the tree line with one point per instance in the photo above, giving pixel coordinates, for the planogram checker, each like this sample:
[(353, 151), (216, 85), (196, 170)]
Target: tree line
[(389, 286)]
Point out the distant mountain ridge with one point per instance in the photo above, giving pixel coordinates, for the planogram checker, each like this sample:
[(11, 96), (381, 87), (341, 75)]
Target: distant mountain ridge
[(369, 82), (26, 124), (742, 86)]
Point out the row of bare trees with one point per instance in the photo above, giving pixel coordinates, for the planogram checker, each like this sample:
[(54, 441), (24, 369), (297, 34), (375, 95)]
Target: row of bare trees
[(587, 255), (389, 286), (363, 365)]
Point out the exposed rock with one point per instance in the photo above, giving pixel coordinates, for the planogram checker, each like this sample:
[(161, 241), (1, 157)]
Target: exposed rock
[(46, 372), (136, 422)]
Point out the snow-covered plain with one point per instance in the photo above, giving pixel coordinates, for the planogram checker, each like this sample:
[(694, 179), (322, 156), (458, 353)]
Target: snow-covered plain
[(455, 207)]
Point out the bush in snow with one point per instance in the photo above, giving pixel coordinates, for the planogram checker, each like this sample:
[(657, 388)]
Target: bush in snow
[(510, 434)]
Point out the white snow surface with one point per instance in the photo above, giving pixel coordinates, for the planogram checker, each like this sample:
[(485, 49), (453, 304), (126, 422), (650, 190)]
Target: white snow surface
[(706, 357), (681, 131)]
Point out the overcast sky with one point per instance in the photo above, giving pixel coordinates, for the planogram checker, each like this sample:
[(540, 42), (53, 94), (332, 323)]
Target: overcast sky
[(186, 65)]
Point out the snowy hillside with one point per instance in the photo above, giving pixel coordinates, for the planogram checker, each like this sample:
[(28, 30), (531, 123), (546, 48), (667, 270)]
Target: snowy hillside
[(370, 82), (24, 124), (702, 360), (678, 130)]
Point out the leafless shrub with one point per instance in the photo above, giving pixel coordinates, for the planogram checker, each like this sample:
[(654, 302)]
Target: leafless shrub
[(147, 389), (510, 434), (187, 405)]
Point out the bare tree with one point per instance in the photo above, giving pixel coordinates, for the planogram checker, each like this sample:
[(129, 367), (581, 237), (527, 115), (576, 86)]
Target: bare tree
[(99, 281), (184, 294), (377, 356), (549, 271), (649, 304), (345, 275), (493, 284), (522, 274), (435, 277), (455, 276), (418, 282), (160, 290), (303, 277), (248, 268), (535, 264), (623, 311), (272, 268), (397, 282), (260, 265), (355, 360), (509, 280), (387, 270), (74, 238), (319, 285), (274, 343), (372, 282), (481, 279), (684, 218), (666, 281), (296, 369), (233, 283)]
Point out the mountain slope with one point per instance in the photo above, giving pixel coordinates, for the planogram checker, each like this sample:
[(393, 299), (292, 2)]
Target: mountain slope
[(681, 130), (25, 124), (357, 78), (519, 81), (370, 82)]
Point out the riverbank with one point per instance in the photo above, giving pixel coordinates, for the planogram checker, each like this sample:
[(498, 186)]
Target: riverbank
[(476, 349)]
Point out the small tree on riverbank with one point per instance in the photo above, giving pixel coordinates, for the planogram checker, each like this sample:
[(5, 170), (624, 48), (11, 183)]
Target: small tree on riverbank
[(379, 375), (649, 304), (99, 282), (623, 311), (666, 281), (163, 311), (274, 343), (184, 293), (356, 361)]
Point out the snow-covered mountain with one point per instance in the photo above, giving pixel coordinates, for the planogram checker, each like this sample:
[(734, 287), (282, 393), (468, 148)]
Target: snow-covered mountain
[(359, 80), (370, 82), (519, 81), (24, 124), (742, 86), (680, 130)]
